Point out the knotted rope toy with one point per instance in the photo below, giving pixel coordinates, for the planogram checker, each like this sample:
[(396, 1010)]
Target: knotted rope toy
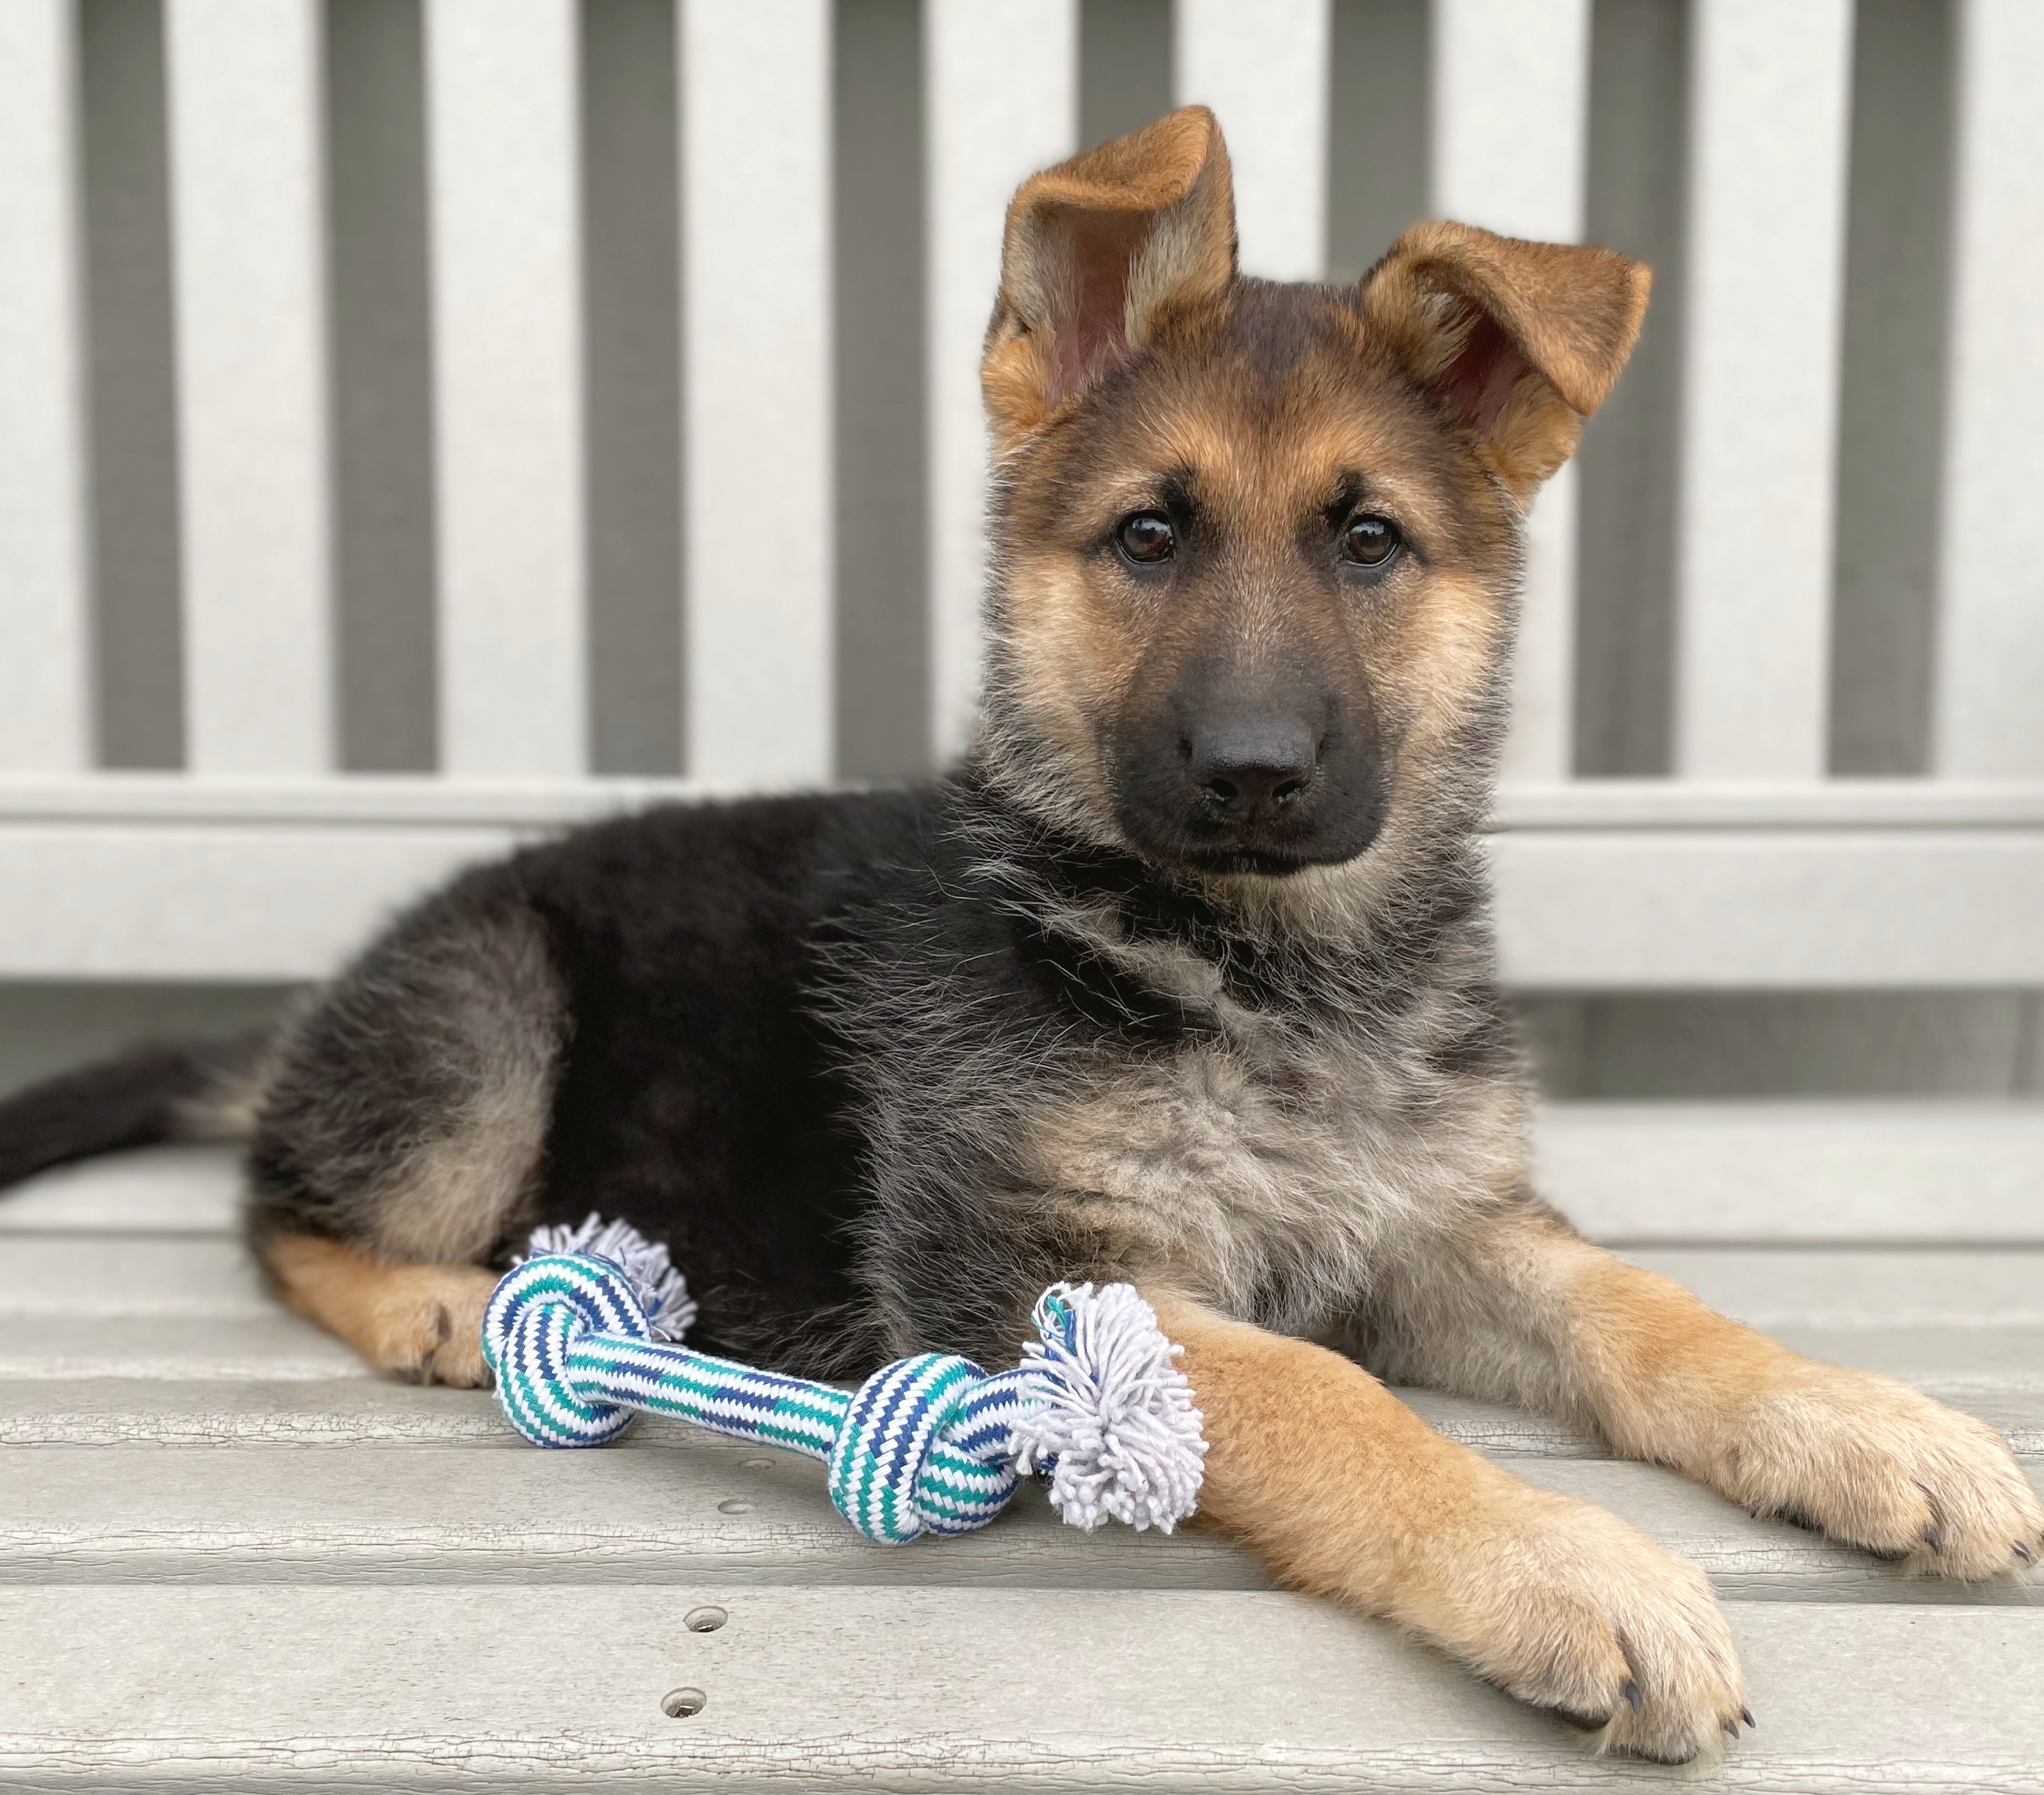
[(585, 1332)]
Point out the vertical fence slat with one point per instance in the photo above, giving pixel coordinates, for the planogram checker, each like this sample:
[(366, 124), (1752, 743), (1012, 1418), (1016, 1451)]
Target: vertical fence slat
[(1989, 704), (1511, 84), (502, 137), (247, 208), (755, 310), (45, 717), (1763, 316), (1262, 66), (1001, 100)]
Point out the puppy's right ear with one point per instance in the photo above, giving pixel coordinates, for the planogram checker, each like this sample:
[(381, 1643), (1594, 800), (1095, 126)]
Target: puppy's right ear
[(1098, 251)]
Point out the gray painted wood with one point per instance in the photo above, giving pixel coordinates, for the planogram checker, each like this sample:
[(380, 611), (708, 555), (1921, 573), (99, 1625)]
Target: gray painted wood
[(387, 1612), (1025, 1690), (1803, 1172), (1639, 1173), (359, 1411), (716, 1514), (276, 1347), (164, 1190), (1829, 1288)]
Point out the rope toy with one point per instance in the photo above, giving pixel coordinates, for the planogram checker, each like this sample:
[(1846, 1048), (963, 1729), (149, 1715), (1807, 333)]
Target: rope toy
[(585, 1331)]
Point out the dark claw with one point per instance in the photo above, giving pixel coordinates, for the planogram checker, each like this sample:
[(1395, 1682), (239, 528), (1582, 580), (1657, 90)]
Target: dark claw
[(1933, 1533), (1730, 1728), (1581, 1722), (1745, 1714), (1631, 1692), (2025, 1553)]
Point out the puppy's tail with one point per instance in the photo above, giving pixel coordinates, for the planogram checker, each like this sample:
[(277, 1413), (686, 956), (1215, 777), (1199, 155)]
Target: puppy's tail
[(172, 1090)]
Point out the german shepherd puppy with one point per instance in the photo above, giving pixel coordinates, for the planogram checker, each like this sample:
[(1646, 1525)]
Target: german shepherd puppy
[(1185, 978)]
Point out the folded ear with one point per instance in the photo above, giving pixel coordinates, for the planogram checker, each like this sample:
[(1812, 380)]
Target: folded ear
[(1519, 341), (1098, 251)]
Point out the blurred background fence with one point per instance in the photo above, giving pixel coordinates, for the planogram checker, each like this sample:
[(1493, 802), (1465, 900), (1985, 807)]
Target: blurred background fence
[(422, 421)]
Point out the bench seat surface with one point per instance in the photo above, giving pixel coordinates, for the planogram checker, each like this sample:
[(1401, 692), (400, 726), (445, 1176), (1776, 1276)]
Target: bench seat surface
[(227, 1553)]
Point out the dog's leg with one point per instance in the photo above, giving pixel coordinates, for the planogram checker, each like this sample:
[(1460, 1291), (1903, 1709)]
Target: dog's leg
[(1519, 1308), (402, 1138), (1346, 1493), (423, 1323)]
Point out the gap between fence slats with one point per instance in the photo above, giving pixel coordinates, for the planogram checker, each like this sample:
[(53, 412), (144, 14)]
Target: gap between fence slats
[(1262, 66), (45, 722), (503, 158), (756, 328), (248, 212), (1511, 82), (1000, 100), (1989, 706), (1769, 88)]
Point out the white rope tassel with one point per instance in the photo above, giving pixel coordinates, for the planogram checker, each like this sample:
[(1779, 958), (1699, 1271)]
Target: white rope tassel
[(1115, 1427), (662, 1288)]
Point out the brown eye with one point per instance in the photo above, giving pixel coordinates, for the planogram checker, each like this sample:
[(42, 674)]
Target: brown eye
[(1146, 536), (1369, 541)]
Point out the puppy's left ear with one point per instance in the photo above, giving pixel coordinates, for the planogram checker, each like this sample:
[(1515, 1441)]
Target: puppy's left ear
[(1519, 341)]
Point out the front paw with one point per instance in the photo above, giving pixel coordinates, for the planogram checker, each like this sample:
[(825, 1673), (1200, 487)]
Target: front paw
[(1877, 1464), (1570, 1609)]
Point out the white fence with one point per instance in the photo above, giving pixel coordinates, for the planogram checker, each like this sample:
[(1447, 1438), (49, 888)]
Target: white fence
[(260, 858)]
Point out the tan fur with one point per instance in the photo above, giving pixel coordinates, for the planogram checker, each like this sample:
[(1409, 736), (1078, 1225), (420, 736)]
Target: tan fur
[(1869, 1460), (1517, 1308), (422, 1322), (1573, 314), (1346, 1492)]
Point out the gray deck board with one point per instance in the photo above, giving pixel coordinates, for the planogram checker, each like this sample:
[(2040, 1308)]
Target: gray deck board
[(714, 1513), (1667, 1172), (419, 1602), (430, 1688), (90, 1273)]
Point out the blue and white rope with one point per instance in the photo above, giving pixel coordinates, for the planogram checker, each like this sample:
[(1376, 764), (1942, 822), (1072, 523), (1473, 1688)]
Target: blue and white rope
[(928, 1444)]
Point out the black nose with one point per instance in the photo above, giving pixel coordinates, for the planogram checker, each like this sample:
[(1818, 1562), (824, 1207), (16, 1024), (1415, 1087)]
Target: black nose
[(1241, 768)]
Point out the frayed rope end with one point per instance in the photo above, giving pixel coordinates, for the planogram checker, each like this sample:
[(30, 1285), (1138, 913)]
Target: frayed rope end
[(662, 1291), (1114, 1427)]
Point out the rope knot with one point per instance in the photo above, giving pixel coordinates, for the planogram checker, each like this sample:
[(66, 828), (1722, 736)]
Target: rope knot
[(535, 1315), (924, 1448)]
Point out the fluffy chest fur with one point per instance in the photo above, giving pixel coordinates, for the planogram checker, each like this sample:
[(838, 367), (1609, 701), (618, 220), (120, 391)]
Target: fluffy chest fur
[(1268, 1163), (1070, 1069)]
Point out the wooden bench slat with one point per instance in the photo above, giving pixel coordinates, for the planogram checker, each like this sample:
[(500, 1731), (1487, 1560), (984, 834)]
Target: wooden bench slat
[(699, 1514), (426, 1689), (1763, 319), (1644, 1173), (1262, 66), (1837, 1289), (158, 1190), (275, 1348), (1989, 661), (359, 1411), (1721, 910), (239, 888), (1827, 1289), (1796, 1171), (248, 204), (503, 159), (1511, 137), (1717, 887), (984, 137), (45, 712), (1951, 1363), (756, 377)]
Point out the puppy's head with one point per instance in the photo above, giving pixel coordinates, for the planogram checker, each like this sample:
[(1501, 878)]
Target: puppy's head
[(1257, 545)]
